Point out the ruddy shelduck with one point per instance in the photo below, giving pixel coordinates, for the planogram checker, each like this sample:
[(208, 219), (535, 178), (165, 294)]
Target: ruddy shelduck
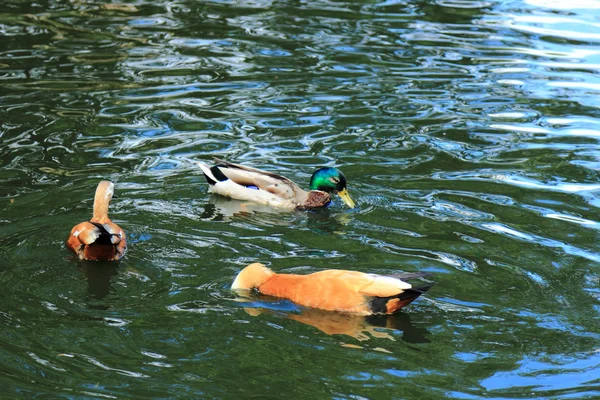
[(100, 238), (334, 290)]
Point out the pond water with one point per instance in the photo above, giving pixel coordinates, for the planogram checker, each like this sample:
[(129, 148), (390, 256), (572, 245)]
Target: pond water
[(468, 131)]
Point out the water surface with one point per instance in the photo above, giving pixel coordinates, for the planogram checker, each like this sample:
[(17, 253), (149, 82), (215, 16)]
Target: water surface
[(469, 133)]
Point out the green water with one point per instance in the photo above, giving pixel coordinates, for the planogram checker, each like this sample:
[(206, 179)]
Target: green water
[(469, 134)]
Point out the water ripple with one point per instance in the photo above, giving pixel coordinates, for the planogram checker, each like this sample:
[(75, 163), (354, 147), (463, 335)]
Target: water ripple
[(467, 130)]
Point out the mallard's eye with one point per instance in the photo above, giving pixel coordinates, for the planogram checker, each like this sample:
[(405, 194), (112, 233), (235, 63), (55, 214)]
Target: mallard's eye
[(334, 180)]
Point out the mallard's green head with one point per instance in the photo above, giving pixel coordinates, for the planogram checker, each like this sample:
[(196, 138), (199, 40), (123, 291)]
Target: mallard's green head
[(331, 180)]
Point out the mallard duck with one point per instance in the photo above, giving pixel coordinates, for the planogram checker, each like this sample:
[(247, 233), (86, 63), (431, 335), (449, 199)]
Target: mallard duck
[(251, 184), (335, 290), (99, 238)]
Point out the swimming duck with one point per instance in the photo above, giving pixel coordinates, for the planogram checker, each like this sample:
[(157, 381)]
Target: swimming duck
[(334, 290), (100, 238), (245, 183)]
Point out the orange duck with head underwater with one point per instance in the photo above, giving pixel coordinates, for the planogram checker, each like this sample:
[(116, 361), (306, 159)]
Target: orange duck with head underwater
[(335, 290), (99, 239)]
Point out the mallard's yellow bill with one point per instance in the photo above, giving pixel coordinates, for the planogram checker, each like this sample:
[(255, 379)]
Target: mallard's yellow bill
[(346, 197)]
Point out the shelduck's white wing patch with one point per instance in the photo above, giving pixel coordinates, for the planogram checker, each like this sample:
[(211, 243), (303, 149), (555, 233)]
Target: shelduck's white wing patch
[(384, 286)]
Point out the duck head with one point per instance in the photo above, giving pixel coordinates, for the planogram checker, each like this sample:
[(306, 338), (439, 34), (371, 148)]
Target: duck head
[(331, 180)]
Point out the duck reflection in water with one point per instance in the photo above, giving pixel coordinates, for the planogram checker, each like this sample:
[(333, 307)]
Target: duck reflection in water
[(226, 209), (321, 220), (359, 327), (99, 275)]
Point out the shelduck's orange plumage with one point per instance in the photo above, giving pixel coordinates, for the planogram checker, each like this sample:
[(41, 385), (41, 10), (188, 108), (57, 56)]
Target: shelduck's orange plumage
[(100, 238), (334, 290)]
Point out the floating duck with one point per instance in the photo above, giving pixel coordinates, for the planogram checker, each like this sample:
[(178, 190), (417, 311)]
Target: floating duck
[(335, 290), (245, 183), (100, 238)]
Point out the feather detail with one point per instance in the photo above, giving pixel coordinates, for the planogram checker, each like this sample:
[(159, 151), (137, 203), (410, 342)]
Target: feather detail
[(86, 233), (210, 178), (383, 286), (253, 170), (264, 180)]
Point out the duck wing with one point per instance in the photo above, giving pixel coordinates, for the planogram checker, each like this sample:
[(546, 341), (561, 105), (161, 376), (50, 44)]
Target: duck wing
[(273, 183), (94, 233), (386, 294), (85, 233), (374, 285), (391, 304)]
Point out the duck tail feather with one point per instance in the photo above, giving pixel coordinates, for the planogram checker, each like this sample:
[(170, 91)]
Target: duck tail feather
[(212, 174), (217, 173), (386, 305), (419, 289)]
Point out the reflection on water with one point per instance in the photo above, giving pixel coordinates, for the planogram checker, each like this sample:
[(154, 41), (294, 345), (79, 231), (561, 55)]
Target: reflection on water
[(222, 208), (98, 275), (468, 131), (358, 327), (321, 221)]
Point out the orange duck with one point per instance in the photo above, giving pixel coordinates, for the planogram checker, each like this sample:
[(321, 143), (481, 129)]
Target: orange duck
[(335, 290), (100, 238)]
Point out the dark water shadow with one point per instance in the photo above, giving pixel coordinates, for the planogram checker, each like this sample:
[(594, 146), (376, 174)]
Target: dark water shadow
[(400, 322), (99, 275), (325, 221)]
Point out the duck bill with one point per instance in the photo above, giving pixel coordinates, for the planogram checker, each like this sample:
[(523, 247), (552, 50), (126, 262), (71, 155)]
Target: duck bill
[(346, 197)]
